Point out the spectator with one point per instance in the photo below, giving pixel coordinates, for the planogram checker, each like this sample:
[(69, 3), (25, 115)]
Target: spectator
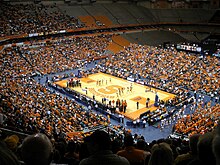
[(99, 145), (7, 157), (134, 156), (216, 146), (192, 154), (37, 150), (12, 142), (205, 154), (71, 156), (161, 155)]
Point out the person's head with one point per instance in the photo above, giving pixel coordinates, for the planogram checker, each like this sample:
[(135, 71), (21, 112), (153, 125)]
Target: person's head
[(161, 154), (7, 156), (204, 147), (116, 145), (98, 141), (216, 145), (71, 146), (37, 149), (216, 148), (128, 140), (141, 144), (193, 140), (12, 142)]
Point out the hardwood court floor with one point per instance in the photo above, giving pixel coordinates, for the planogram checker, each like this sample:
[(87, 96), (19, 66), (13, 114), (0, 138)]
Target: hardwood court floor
[(108, 88)]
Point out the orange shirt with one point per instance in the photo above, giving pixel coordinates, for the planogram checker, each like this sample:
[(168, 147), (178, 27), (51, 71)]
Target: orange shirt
[(132, 154)]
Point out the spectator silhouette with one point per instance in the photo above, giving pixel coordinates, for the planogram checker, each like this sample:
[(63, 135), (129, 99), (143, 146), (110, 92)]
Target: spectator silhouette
[(192, 154), (216, 146), (205, 154), (161, 154), (99, 146), (71, 157), (7, 157), (134, 156), (37, 150)]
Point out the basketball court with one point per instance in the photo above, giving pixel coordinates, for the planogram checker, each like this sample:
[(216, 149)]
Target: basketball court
[(102, 85)]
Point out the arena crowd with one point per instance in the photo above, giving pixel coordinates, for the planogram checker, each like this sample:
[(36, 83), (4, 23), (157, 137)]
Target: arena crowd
[(64, 130), (34, 18)]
